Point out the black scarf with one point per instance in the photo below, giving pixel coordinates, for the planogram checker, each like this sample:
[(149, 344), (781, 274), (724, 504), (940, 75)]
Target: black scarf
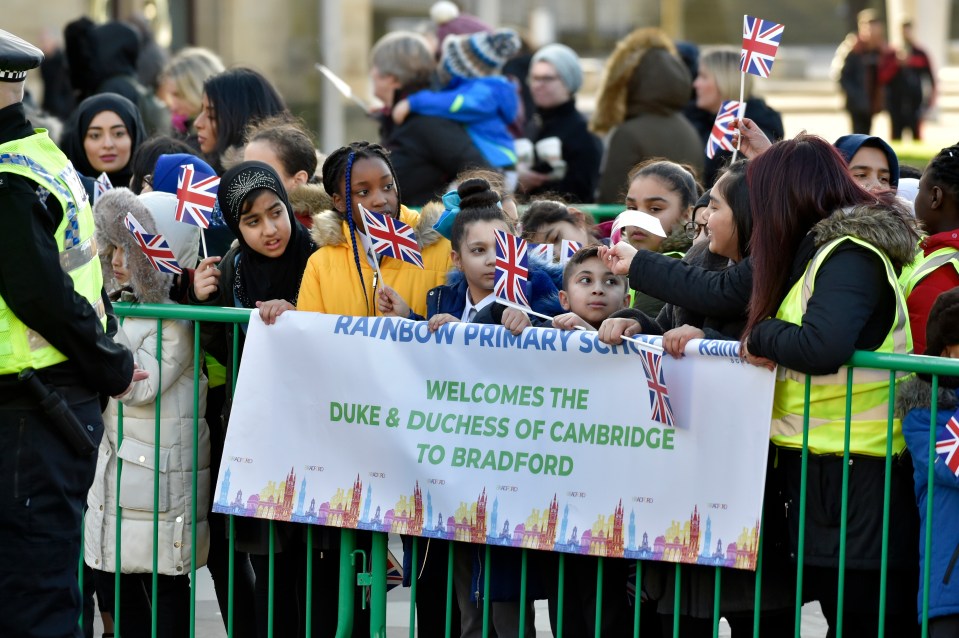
[(76, 131), (258, 277)]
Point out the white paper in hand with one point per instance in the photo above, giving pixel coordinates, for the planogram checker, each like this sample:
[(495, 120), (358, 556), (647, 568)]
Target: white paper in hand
[(642, 220)]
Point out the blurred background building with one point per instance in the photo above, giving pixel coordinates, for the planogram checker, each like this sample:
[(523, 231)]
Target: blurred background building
[(286, 38)]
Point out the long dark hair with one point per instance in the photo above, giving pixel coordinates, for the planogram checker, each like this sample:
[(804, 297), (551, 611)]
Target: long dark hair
[(735, 190), (239, 97), (799, 182)]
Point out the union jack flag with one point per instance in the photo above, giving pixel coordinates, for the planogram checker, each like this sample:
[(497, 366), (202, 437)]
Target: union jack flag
[(512, 268), (568, 250), (721, 137), (950, 444), (658, 393), (155, 247), (195, 196), (760, 43), (394, 571), (101, 186), (133, 225), (541, 250), (392, 238)]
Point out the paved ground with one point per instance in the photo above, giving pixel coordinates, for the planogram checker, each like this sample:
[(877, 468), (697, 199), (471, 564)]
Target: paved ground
[(209, 623)]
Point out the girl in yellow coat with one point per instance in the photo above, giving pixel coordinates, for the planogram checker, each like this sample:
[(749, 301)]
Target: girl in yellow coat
[(340, 278)]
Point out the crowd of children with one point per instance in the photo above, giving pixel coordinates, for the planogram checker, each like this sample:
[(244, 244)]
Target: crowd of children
[(803, 253)]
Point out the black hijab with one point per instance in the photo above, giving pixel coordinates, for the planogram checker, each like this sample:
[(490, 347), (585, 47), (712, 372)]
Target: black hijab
[(76, 131), (258, 277)]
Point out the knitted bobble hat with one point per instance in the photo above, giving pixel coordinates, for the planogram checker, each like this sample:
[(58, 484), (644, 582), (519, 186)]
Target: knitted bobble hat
[(480, 54)]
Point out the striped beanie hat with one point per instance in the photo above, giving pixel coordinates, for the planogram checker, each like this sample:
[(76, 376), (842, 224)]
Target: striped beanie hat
[(480, 54)]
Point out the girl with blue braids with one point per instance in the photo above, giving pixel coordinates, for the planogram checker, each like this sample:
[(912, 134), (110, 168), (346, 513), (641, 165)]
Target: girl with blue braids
[(340, 277)]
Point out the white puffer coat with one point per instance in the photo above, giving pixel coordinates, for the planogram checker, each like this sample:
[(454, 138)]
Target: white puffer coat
[(172, 378)]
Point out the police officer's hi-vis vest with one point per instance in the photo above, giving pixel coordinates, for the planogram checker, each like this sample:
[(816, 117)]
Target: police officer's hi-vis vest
[(827, 400), (37, 158)]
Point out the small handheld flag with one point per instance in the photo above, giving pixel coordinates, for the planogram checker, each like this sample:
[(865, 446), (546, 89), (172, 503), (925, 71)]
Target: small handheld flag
[(133, 225), (512, 268), (761, 40), (155, 247), (544, 251), (721, 135), (392, 238), (101, 186), (569, 249), (195, 196), (949, 445), (656, 382)]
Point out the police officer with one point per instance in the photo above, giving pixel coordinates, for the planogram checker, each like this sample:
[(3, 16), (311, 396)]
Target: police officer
[(55, 346)]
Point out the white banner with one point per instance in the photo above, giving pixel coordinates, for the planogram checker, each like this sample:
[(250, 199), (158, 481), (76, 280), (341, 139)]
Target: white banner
[(545, 441)]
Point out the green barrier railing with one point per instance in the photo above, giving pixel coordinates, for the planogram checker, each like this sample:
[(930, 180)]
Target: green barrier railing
[(358, 569)]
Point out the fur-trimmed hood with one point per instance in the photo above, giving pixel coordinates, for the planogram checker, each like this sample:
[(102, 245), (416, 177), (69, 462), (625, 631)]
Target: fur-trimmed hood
[(310, 199), (635, 82), (156, 213), (328, 225), (916, 394), (890, 228)]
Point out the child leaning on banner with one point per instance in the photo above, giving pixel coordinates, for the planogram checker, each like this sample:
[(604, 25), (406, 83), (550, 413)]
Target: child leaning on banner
[(340, 278), (169, 358), (913, 401), (468, 296), (262, 270)]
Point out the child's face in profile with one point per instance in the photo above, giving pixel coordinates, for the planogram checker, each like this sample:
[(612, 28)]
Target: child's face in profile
[(476, 256), (593, 292), (265, 225), (373, 187), (119, 263)]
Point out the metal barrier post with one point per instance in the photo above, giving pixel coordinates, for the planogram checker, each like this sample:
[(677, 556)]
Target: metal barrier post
[(378, 602)]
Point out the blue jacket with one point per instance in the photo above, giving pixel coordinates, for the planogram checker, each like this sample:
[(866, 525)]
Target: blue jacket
[(486, 106), (913, 400)]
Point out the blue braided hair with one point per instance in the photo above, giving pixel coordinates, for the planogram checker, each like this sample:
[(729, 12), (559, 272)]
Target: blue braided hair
[(339, 164), (351, 222)]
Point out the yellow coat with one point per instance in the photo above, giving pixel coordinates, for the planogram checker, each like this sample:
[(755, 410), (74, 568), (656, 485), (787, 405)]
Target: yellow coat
[(332, 285)]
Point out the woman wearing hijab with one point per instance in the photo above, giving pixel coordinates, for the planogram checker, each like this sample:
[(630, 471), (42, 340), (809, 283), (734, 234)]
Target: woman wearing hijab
[(264, 271), (102, 135)]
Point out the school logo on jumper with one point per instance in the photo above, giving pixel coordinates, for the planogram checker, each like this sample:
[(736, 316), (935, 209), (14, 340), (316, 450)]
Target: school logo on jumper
[(392, 238), (760, 43), (569, 249), (155, 247), (195, 196), (658, 393), (512, 268), (721, 137), (949, 446), (101, 186)]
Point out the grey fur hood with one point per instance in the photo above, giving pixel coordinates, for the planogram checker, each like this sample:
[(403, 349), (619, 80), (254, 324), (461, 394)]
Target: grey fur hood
[(889, 228), (916, 393), (156, 213), (328, 226)]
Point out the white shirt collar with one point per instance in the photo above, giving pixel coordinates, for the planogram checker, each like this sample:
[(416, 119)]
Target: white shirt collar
[(485, 301)]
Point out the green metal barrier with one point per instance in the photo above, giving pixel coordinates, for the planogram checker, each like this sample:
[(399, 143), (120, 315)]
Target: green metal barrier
[(375, 565)]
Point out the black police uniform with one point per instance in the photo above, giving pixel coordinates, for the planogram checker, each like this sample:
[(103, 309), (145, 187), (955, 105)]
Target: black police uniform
[(43, 479)]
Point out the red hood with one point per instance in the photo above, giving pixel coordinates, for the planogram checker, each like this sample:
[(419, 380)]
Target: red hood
[(949, 238)]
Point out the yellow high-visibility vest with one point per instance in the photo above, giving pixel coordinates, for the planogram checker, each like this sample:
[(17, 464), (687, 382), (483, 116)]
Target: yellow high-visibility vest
[(38, 159), (827, 401), (924, 265)]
